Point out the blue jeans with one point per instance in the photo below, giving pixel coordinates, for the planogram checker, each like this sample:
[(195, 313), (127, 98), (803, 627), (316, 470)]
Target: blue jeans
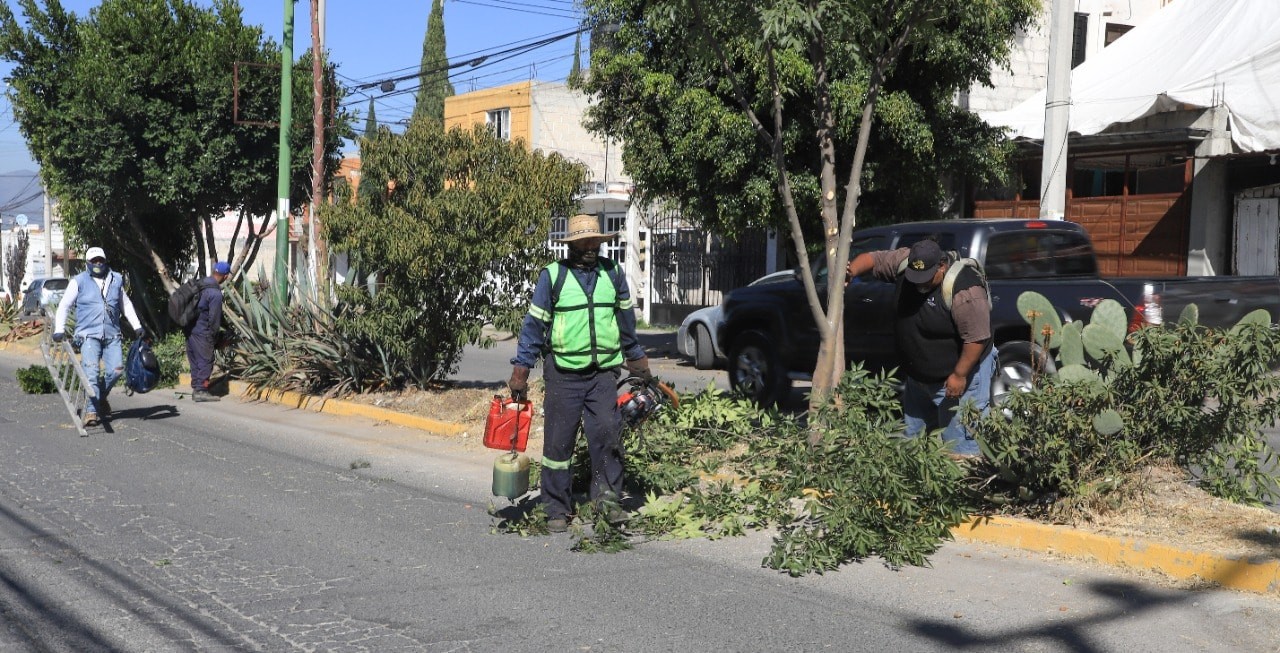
[(926, 407), (103, 362)]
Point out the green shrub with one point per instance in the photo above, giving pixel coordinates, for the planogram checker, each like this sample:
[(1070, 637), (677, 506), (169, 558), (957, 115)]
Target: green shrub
[(171, 352), (1179, 394), (36, 380)]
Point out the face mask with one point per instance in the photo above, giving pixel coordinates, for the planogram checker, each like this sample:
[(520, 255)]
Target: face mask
[(583, 258), (98, 269)]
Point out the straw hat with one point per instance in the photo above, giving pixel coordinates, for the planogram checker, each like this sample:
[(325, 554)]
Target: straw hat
[(584, 226)]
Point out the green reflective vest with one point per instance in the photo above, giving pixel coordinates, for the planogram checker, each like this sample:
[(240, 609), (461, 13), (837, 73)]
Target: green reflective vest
[(584, 330)]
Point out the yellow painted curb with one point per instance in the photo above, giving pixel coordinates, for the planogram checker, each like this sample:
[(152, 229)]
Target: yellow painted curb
[(1262, 576), (339, 407)]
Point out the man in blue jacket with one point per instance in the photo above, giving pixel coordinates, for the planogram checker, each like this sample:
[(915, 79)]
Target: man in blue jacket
[(202, 333), (97, 295)]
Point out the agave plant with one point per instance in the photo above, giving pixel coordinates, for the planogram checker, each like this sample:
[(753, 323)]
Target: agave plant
[(298, 346)]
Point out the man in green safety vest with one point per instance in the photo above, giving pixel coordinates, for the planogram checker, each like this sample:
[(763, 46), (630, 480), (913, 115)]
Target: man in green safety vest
[(582, 320)]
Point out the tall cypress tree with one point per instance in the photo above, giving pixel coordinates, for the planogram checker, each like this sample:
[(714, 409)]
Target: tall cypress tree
[(370, 121), (434, 79), (575, 71)]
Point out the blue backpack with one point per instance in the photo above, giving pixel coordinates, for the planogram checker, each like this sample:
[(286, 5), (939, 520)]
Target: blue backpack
[(141, 368)]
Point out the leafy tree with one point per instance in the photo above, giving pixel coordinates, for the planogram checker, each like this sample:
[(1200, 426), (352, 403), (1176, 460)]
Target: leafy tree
[(434, 85), (370, 121), (144, 163), (15, 262), (452, 229), (755, 114), (575, 71)]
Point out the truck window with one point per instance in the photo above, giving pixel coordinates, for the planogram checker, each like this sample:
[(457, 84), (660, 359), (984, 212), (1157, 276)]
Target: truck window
[(945, 241), (858, 245), (1039, 254)]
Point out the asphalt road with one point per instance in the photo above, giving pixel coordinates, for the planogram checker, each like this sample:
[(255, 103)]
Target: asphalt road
[(238, 526)]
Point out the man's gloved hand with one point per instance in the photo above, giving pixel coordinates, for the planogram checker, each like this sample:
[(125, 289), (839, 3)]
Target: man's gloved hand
[(640, 368), (519, 383), (59, 336)]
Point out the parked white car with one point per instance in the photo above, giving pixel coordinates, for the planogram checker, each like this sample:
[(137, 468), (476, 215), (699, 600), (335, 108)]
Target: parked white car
[(696, 337)]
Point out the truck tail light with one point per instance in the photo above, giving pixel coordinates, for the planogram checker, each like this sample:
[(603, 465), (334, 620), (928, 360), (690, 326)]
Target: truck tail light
[(1149, 311)]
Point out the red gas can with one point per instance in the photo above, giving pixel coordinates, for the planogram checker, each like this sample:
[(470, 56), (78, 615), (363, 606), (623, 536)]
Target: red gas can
[(507, 427)]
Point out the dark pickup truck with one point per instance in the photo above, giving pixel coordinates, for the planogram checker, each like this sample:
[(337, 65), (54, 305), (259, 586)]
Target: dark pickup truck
[(770, 338)]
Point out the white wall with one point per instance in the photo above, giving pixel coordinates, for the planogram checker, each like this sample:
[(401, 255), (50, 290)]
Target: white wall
[(556, 126), (1029, 59)]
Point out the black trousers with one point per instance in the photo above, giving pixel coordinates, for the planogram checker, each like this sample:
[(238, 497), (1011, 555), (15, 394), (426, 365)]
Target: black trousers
[(592, 398)]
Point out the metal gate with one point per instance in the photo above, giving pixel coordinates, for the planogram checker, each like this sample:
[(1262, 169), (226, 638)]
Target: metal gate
[(690, 269)]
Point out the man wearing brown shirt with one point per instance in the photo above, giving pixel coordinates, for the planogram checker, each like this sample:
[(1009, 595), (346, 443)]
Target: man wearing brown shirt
[(946, 354)]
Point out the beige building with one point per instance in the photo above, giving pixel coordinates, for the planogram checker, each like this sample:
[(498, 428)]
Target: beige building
[(545, 116)]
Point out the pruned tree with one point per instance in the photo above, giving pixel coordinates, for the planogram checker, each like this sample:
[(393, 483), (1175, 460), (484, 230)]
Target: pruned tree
[(143, 163), (15, 262), (453, 227), (751, 114)]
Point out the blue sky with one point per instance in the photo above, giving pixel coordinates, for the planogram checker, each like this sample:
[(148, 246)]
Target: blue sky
[(372, 40)]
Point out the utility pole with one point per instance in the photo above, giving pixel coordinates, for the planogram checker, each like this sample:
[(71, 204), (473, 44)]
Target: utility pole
[(282, 184), (48, 235), (317, 141), (1057, 112)]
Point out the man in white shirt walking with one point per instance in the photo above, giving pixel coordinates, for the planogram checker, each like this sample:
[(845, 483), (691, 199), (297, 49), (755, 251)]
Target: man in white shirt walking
[(98, 298)]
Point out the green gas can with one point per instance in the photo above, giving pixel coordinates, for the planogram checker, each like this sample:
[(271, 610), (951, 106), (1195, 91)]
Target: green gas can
[(511, 475)]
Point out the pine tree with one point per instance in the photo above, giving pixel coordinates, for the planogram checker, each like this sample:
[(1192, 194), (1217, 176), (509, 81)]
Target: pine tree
[(575, 72), (370, 121), (434, 79)]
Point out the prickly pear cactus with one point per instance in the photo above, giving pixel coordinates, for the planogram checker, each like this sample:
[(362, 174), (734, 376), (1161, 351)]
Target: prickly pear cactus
[(1108, 422), (1040, 313), (1073, 373), (1260, 317), (1101, 341), (1109, 315), (1190, 315), (1071, 349)]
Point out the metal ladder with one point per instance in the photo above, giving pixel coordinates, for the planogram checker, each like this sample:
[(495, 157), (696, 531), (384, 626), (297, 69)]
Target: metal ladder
[(73, 385)]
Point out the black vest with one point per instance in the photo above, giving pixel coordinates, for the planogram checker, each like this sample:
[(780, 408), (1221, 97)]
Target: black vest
[(927, 337)]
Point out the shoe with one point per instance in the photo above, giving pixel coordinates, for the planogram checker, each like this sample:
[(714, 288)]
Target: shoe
[(104, 407), (617, 516), (203, 395), (557, 525), (90, 419)]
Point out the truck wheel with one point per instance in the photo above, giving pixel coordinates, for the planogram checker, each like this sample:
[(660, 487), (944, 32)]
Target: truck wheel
[(1017, 363), (755, 370), (704, 355)]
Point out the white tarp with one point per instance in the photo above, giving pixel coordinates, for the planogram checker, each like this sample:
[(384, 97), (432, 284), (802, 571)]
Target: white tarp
[(1197, 53)]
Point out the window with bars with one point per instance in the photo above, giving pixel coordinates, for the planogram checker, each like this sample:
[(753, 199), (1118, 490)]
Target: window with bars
[(499, 120)]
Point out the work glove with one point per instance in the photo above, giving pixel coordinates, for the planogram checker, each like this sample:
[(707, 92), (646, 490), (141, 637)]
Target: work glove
[(59, 336), (519, 383), (640, 368), (76, 342)]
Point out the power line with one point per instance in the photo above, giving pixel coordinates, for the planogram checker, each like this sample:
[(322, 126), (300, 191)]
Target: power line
[(379, 77), (509, 7)]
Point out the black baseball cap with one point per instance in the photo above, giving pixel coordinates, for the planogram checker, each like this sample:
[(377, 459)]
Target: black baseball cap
[(923, 261)]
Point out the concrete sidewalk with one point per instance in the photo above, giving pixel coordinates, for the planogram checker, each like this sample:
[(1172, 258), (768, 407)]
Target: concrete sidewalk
[(1252, 575)]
